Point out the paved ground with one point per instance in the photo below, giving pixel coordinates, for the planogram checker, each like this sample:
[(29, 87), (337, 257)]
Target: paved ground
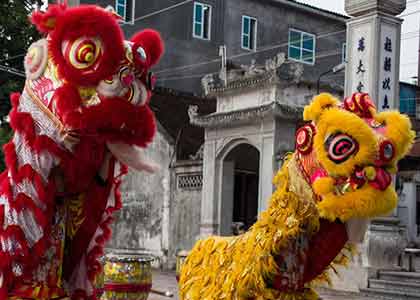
[(165, 281)]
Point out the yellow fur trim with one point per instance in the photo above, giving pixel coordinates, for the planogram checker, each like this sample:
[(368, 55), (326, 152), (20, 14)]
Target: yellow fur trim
[(323, 186), (398, 130), (365, 202), (319, 104), (337, 120)]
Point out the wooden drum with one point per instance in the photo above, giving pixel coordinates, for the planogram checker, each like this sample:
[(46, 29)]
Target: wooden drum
[(127, 277)]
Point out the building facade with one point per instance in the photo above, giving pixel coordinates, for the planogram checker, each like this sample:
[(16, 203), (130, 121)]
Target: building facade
[(256, 34), (249, 29)]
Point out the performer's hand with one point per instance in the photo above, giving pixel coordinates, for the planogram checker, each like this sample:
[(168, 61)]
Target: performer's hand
[(70, 139), (104, 170)]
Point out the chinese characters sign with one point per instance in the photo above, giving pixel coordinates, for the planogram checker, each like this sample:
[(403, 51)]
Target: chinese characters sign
[(387, 67), (360, 48), (373, 62)]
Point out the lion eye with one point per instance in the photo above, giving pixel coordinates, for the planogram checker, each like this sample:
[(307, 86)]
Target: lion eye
[(340, 147), (386, 151), (141, 54)]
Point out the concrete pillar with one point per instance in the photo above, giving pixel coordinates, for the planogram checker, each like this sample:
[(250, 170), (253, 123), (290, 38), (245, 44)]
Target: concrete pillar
[(267, 165), (210, 190), (227, 185), (166, 216), (373, 50)]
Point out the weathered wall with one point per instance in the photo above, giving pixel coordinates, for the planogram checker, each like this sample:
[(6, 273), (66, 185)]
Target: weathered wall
[(185, 207), (142, 223)]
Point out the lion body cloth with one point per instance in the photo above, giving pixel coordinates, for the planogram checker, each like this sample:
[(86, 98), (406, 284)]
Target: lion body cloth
[(338, 177), (80, 120)]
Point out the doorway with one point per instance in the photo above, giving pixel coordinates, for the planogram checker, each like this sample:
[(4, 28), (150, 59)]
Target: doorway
[(240, 188)]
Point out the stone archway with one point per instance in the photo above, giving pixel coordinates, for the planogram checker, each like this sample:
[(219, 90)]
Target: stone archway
[(239, 186)]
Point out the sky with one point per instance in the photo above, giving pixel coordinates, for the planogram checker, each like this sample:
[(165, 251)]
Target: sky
[(409, 33)]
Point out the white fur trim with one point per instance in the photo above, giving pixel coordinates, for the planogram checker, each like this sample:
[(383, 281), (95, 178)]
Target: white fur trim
[(36, 59), (133, 157)]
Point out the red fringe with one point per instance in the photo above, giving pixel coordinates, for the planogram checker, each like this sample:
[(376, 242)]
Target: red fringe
[(106, 120), (94, 266), (23, 124), (89, 123), (67, 99)]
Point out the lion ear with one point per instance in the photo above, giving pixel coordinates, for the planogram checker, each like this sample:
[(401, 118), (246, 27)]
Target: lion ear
[(318, 105), (152, 44), (46, 22)]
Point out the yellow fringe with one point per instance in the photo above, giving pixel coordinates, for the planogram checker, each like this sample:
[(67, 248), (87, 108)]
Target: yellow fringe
[(319, 104), (237, 268)]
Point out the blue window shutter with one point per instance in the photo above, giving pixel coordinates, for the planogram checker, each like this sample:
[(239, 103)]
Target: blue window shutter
[(308, 42), (246, 25), (121, 7), (198, 13), (301, 46), (245, 41)]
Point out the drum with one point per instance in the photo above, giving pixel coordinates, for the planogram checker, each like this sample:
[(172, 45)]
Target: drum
[(127, 277), (99, 280), (180, 259)]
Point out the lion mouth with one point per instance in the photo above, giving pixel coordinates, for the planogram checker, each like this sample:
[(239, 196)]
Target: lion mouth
[(377, 177), (382, 179)]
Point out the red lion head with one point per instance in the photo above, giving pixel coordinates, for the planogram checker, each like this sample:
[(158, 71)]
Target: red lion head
[(99, 84)]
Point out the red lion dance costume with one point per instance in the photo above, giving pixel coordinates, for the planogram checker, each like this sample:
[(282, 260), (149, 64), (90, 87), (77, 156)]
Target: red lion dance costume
[(82, 112)]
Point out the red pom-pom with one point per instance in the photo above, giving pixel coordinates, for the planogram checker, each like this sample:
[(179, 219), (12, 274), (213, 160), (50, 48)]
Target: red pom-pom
[(14, 98), (151, 42), (45, 22)]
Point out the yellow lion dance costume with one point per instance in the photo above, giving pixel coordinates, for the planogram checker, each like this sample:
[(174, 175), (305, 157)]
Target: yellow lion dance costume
[(339, 174)]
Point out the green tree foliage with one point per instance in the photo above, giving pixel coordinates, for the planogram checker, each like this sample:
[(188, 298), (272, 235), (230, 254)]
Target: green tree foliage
[(16, 35), (6, 134)]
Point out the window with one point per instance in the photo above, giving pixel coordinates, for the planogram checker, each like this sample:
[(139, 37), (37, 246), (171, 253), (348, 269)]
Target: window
[(125, 9), (302, 46), (190, 182), (121, 7), (249, 33), (202, 21), (343, 53), (408, 97), (408, 106)]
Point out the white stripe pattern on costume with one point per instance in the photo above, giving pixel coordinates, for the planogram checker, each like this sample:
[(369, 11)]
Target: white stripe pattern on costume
[(27, 188), (31, 229), (43, 125), (42, 163)]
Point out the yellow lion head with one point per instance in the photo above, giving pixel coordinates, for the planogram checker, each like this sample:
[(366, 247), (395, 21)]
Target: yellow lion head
[(348, 153)]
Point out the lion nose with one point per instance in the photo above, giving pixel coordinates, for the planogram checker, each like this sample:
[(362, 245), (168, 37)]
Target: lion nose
[(127, 79)]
